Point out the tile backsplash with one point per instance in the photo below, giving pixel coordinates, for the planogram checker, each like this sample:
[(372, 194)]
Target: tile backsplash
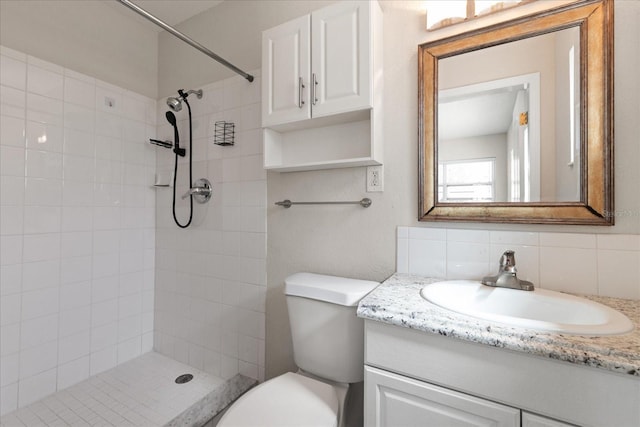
[(595, 264)]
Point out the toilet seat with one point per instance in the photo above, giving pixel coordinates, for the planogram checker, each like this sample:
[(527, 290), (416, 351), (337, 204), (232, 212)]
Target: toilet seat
[(288, 400)]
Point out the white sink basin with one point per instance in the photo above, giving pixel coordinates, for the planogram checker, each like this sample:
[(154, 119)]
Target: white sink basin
[(538, 309)]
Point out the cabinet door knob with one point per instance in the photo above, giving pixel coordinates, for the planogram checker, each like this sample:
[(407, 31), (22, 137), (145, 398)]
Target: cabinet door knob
[(314, 90), (300, 87)]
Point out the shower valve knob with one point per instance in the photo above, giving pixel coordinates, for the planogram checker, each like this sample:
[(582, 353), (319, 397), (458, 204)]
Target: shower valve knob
[(201, 191)]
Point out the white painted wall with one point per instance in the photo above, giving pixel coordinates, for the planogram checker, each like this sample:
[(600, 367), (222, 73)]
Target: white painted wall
[(99, 38), (76, 227)]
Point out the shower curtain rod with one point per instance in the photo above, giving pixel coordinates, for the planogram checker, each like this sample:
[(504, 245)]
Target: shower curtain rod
[(184, 38)]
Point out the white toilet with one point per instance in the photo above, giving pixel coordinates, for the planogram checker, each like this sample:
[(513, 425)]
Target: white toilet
[(328, 348)]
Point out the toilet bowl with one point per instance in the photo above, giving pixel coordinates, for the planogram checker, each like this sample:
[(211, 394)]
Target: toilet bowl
[(328, 347)]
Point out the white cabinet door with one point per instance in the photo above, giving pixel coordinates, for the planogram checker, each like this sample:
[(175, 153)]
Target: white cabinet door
[(393, 400), (286, 62), (533, 420), (341, 58)]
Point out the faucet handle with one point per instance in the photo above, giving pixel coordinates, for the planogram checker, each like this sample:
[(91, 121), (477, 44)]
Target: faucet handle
[(508, 261)]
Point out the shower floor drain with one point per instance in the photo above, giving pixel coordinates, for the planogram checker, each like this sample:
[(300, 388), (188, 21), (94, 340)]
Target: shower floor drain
[(184, 378)]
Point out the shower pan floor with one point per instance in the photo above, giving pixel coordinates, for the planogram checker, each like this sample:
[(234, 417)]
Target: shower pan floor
[(140, 392)]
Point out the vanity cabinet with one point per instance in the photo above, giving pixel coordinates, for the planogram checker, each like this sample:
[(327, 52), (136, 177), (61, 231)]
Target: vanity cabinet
[(414, 378), (404, 401), (321, 90)]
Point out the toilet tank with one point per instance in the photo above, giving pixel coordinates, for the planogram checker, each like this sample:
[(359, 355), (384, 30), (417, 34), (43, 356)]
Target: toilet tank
[(328, 337)]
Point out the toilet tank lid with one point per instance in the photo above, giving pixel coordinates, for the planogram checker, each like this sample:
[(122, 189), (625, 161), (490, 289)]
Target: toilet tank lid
[(336, 290)]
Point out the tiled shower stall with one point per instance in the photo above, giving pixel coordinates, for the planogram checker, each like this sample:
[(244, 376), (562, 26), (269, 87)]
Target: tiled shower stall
[(94, 272)]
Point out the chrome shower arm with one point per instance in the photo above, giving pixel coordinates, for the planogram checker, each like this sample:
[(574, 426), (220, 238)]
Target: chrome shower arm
[(184, 38)]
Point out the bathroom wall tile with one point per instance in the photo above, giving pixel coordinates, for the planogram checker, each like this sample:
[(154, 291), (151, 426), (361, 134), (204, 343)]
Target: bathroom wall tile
[(103, 360), (79, 76), (79, 118), (9, 401), (79, 92), (568, 240), (569, 269), (42, 164), (73, 347), (623, 242), (78, 168), (38, 359), (514, 237), (45, 65), (11, 190), (127, 350), (74, 321), (108, 125), (427, 257), (10, 279), (78, 243), (9, 370), (79, 143), (41, 247), (13, 102), (428, 233), (9, 339), (38, 331), (40, 275), (44, 82), (12, 131), (13, 72), (472, 236), (77, 218), (75, 295), (42, 219), (77, 193), (45, 110), (11, 248), (104, 336), (10, 309), (104, 312), (619, 272), (76, 269), (11, 220), (73, 372), (44, 137), (36, 387), (467, 260), (42, 192), (11, 161)]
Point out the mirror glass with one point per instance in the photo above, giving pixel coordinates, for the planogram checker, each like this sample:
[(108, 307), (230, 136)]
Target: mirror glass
[(516, 119), (510, 133)]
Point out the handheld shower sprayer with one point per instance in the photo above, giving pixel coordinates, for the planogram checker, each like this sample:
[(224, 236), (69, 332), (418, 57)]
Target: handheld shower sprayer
[(175, 102), (171, 118)]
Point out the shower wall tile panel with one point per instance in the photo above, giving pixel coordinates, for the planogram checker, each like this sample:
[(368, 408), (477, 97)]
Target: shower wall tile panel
[(211, 277), (77, 227), (583, 263)]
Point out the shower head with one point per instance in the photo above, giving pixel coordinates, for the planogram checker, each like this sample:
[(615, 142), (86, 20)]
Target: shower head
[(171, 118), (175, 102)]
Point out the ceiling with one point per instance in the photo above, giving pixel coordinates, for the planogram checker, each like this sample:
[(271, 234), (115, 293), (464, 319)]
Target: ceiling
[(174, 12)]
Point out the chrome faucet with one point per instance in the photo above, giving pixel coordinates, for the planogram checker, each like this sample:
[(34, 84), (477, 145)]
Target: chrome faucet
[(506, 277)]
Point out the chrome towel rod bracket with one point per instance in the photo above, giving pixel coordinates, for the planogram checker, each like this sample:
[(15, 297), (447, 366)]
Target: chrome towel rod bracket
[(365, 203), (140, 11)]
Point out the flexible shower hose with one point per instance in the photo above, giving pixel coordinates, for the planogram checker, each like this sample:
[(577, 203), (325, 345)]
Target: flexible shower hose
[(175, 174)]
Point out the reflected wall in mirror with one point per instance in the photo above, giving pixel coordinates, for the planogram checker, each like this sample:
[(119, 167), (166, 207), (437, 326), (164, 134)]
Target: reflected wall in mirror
[(516, 120)]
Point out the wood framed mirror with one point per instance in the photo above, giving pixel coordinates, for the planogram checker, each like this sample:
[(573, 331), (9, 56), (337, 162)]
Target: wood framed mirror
[(516, 120)]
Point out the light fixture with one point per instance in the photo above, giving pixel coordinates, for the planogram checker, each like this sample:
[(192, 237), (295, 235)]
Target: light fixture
[(442, 13)]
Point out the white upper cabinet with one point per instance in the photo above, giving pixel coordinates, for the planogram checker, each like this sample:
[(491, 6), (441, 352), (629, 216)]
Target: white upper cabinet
[(286, 61), (341, 58), (319, 94), (318, 65)]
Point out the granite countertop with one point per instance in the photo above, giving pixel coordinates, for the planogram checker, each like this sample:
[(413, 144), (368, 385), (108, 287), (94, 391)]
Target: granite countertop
[(397, 301)]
